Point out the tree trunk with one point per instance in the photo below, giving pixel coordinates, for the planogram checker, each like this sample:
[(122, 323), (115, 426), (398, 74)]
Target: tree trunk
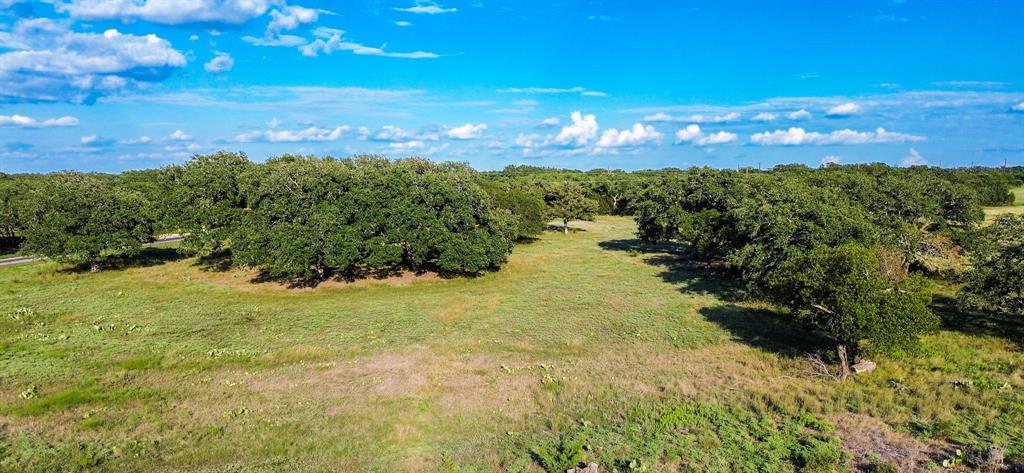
[(844, 364), (565, 226)]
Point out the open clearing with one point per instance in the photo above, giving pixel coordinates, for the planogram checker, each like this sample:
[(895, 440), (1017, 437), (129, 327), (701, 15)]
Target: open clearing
[(170, 366)]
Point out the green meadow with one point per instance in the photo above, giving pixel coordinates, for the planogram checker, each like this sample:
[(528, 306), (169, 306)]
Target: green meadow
[(584, 346)]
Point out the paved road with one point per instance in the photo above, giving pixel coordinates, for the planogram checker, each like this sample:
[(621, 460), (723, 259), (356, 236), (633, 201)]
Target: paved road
[(28, 259)]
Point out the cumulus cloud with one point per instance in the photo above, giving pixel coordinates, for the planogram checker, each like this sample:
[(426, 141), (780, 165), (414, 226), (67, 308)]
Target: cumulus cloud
[(407, 145), (220, 63), (29, 122), (467, 131), (179, 135), (49, 62), (167, 12), (1018, 108), (799, 136), (582, 129), (310, 134), (799, 115), (638, 135), (552, 90), (693, 134), (765, 117), (330, 40), (403, 23), (427, 8), (664, 117), (914, 159), (843, 110)]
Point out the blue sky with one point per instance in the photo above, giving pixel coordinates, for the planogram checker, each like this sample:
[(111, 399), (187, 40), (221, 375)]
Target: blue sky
[(109, 85)]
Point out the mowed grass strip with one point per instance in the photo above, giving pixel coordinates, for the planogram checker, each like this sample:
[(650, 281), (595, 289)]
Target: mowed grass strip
[(589, 335)]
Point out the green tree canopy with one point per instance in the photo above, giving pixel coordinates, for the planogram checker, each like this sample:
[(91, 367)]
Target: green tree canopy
[(83, 219), (996, 279), (567, 200)]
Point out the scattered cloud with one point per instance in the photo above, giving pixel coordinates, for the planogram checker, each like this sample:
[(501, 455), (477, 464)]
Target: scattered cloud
[(403, 23), (50, 63), (310, 134), (799, 115), (914, 159), (554, 121), (222, 62), (843, 110), (975, 84), (427, 8), (694, 135), (765, 117), (330, 40), (1018, 108), (699, 118), (638, 135), (799, 136), (179, 135), (552, 90), (22, 121), (468, 131), (286, 18), (166, 12)]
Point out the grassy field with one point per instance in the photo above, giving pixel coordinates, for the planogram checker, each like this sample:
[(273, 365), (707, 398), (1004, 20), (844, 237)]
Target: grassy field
[(587, 343), (1017, 208)]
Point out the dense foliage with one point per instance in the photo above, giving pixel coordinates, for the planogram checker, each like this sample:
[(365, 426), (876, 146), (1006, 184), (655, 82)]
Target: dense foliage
[(307, 218), (82, 219), (996, 279), (836, 246)]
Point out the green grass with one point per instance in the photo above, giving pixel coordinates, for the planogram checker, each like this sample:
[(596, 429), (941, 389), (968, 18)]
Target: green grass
[(649, 360), (1018, 195)]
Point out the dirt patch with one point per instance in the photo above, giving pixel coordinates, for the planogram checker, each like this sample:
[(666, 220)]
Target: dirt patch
[(870, 442)]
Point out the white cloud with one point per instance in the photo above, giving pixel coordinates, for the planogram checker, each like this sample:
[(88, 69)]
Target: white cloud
[(136, 141), (311, 134), (467, 131), (221, 63), (799, 115), (914, 159), (549, 122), (699, 118), (285, 18), (693, 134), (167, 12), (330, 40), (427, 8), (552, 90), (179, 135), (843, 110), (1018, 108), (799, 136), (49, 62), (29, 122), (582, 129), (403, 23), (638, 135), (765, 117), (830, 159), (194, 37), (407, 145)]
